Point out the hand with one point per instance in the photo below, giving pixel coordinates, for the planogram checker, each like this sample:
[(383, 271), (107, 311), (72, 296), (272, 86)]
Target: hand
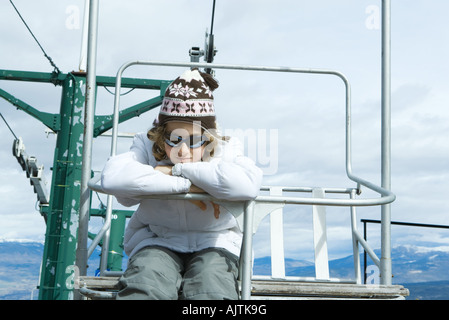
[(193, 189), (216, 210), (203, 207), (164, 169), (201, 204)]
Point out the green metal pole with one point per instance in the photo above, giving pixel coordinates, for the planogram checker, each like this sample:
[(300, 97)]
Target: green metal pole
[(115, 253), (62, 225)]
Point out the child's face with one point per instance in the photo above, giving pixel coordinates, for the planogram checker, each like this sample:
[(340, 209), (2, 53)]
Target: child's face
[(191, 146)]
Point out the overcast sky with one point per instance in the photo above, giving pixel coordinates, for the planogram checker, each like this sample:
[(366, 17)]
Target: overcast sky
[(303, 114)]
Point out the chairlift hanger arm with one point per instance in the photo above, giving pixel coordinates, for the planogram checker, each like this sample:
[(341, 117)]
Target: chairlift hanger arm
[(209, 47)]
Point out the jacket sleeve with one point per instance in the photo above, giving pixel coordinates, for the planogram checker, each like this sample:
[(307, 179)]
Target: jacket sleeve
[(132, 174), (231, 177)]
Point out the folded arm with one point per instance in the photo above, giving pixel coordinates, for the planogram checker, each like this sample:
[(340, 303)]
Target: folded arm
[(234, 178), (132, 174)]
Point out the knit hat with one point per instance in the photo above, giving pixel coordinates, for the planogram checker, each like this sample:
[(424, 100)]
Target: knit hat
[(189, 98)]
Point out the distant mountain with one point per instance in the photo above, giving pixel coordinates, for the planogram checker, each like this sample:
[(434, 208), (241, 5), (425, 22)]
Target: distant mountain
[(262, 266), (20, 263), (414, 264), (410, 264), (422, 270), (19, 269)]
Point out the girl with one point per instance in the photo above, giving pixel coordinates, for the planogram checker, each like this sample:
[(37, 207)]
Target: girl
[(179, 248)]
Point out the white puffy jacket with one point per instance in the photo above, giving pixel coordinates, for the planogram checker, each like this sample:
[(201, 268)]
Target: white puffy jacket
[(179, 224)]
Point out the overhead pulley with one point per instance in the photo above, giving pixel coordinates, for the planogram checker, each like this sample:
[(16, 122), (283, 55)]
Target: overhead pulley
[(33, 170), (209, 51)]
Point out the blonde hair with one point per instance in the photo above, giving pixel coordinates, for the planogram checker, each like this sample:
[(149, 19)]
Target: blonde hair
[(158, 133)]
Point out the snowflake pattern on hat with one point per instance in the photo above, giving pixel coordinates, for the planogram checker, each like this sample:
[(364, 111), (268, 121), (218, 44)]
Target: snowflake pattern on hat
[(188, 95), (178, 89)]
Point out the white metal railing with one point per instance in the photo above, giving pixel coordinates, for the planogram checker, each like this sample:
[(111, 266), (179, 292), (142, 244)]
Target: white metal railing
[(250, 213)]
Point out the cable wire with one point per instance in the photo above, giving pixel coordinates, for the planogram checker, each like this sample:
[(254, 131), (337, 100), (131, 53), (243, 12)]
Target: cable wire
[(212, 20), (8, 126), (32, 34)]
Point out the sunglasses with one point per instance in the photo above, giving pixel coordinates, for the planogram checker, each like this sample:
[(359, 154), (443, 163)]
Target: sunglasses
[(193, 142)]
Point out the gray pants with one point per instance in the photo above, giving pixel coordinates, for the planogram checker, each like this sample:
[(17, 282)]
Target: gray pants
[(157, 273)]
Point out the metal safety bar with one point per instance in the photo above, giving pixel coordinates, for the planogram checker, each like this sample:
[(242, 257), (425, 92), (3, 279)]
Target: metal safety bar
[(248, 207)]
